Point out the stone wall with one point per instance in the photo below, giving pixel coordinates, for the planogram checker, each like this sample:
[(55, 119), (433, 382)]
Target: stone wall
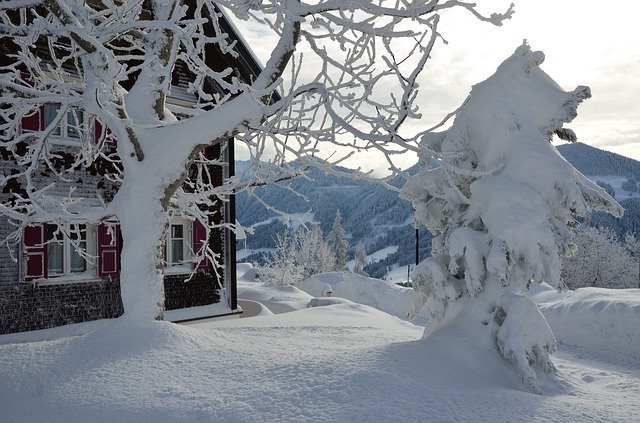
[(29, 306)]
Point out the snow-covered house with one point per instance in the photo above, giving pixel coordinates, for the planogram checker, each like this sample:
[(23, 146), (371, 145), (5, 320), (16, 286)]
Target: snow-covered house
[(45, 282)]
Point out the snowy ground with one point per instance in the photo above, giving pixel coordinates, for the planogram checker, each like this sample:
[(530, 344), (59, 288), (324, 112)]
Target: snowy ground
[(339, 363)]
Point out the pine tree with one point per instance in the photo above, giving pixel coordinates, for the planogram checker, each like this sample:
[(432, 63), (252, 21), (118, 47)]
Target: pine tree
[(500, 205), (338, 243), (361, 259)]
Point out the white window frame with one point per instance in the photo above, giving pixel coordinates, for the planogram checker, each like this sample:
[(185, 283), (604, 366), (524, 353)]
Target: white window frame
[(86, 128), (185, 266), (67, 246)]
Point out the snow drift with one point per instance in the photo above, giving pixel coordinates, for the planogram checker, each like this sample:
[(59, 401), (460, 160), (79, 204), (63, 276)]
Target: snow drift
[(606, 320), (392, 299)]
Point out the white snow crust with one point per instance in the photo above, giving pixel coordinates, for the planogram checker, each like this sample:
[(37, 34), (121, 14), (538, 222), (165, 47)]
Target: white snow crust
[(604, 320), (337, 363), (376, 293)]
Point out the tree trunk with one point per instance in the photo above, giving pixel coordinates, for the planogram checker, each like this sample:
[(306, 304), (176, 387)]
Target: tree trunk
[(143, 223)]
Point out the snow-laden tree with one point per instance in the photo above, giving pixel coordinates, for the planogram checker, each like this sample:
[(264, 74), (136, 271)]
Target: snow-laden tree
[(114, 60), (297, 256), (338, 243), (360, 260), (315, 255), (281, 266), (599, 259), (500, 205), (632, 244)]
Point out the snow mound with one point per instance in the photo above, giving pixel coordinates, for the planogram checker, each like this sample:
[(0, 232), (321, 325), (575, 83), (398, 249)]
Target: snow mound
[(607, 320), (277, 298), (340, 363), (327, 301), (252, 308), (392, 299)]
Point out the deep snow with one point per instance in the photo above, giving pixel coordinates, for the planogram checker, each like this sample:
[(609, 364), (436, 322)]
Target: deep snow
[(336, 363)]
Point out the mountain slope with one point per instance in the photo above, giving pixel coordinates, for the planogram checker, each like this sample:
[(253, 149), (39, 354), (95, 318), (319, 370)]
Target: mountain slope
[(374, 215)]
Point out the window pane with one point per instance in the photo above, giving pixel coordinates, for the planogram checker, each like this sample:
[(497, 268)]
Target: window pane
[(54, 234), (75, 230), (176, 231), (55, 258), (78, 263), (50, 112), (74, 119), (177, 252)]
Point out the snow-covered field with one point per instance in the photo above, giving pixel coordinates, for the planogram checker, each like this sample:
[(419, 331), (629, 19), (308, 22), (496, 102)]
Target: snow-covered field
[(339, 363)]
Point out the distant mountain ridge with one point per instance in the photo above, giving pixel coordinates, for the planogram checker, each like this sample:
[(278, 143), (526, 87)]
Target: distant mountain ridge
[(376, 216), (593, 161)]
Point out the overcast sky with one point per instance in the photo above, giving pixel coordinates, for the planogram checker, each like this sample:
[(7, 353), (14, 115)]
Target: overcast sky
[(586, 42)]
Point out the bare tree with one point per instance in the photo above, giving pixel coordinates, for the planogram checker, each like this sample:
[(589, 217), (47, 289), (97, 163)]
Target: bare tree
[(114, 61)]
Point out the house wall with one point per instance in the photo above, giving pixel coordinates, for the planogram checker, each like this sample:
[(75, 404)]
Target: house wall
[(32, 305)]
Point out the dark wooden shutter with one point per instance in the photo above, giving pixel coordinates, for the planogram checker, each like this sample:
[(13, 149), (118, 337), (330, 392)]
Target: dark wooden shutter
[(109, 250), (110, 139), (33, 120), (35, 252), (97, 131), (199, 235)]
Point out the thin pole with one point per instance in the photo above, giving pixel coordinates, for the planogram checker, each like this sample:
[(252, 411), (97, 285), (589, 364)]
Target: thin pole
[(417, 248)]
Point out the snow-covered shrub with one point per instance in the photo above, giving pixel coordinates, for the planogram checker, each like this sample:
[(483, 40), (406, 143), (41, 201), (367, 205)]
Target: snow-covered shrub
[(296, 257), (500, 206)]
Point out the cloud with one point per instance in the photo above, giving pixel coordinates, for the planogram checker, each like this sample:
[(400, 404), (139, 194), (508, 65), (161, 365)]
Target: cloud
[(585, 43)]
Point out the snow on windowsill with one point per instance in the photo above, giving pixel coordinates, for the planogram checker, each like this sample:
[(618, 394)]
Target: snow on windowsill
[(178, 269), (65, 141), (83, 277)]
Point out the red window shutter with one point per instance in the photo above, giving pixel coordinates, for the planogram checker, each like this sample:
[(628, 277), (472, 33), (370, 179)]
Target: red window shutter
[(32, 121), (109, 246), (198, 238), (97, 130), (35, 252)]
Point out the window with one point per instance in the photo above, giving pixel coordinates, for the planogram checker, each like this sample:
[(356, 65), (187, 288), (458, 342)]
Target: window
[(178, 245), (71, 127), (67, 248)]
